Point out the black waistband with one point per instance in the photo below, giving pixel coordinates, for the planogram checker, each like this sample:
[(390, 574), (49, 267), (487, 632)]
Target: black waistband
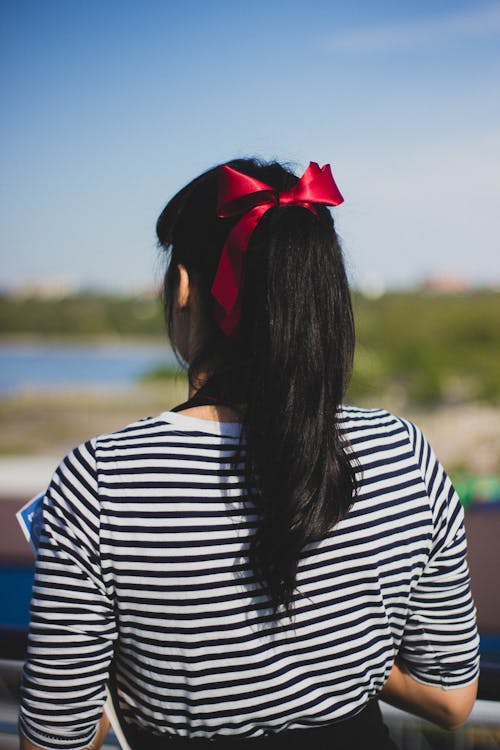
[(366, 729)]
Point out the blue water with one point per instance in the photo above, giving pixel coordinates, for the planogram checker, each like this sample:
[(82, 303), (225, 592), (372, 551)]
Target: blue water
[(24, 366)]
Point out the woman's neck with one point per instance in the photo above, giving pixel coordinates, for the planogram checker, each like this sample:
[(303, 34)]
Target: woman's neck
[(212, 412), (215, 413)]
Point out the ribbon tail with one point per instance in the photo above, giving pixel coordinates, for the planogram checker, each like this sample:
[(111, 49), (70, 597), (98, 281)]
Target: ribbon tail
[(228, 322), (228, 281)]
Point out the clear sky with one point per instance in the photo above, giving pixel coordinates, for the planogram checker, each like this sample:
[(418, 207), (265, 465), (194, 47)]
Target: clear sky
[(110, 106)]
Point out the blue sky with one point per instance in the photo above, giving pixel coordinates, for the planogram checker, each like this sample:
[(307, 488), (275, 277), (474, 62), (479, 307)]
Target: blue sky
[(110, 106)]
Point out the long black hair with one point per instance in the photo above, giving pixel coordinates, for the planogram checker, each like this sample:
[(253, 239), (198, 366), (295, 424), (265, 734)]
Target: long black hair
[(289, 363)]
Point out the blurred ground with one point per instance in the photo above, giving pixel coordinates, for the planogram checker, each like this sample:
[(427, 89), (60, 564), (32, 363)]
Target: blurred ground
[(54, 421)]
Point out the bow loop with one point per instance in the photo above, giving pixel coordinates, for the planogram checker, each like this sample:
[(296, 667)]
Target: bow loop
[(315, 186), (241, 194)]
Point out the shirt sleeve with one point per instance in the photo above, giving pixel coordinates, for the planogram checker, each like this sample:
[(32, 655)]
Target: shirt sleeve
[(440, 644), (72, 629)]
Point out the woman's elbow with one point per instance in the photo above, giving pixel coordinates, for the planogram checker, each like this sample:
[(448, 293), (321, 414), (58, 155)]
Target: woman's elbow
[(453, 722), (457, 707)]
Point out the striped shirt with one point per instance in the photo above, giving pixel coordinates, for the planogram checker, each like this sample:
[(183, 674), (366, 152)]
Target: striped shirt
[(144, 551)]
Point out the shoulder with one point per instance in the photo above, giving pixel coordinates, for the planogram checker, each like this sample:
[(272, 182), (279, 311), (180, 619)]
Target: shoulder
[(143, 429), (82, 460), (379, 438), (147, 438), (358, 423), (75, 481)]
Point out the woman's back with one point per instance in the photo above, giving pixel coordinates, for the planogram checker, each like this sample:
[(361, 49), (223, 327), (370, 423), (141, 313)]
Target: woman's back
[(263, 575), (161, 523)]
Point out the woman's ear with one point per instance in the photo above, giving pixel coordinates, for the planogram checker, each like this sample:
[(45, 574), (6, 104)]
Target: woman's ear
[(184, 288)]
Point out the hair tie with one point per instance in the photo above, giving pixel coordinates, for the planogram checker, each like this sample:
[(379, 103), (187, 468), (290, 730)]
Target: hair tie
[(241, 194)]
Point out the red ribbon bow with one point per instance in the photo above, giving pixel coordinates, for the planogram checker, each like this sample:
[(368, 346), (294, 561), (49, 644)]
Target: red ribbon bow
[(241, 194)]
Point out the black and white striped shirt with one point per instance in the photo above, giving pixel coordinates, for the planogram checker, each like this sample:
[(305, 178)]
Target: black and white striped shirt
[(144, 548)]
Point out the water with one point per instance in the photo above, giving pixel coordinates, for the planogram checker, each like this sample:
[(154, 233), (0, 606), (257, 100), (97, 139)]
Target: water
[(27, 366)]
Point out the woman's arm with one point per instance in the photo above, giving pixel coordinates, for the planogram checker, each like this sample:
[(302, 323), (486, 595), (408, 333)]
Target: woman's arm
[(447, 708), (73, 628), (436, 670)]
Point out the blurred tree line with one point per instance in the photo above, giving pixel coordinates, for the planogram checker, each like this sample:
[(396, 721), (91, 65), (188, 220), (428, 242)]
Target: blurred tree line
[(422, 347), (87, 314), (428, 347)]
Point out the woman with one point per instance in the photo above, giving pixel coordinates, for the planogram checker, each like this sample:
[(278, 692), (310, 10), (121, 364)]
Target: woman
[(262, 562)]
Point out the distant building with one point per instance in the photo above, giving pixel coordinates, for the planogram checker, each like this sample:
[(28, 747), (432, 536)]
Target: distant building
[(447, 283), (51, 287)]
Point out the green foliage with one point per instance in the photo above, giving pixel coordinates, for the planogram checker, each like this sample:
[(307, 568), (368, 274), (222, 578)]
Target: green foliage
[(428, 347), (164, 375), (85, 314)]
